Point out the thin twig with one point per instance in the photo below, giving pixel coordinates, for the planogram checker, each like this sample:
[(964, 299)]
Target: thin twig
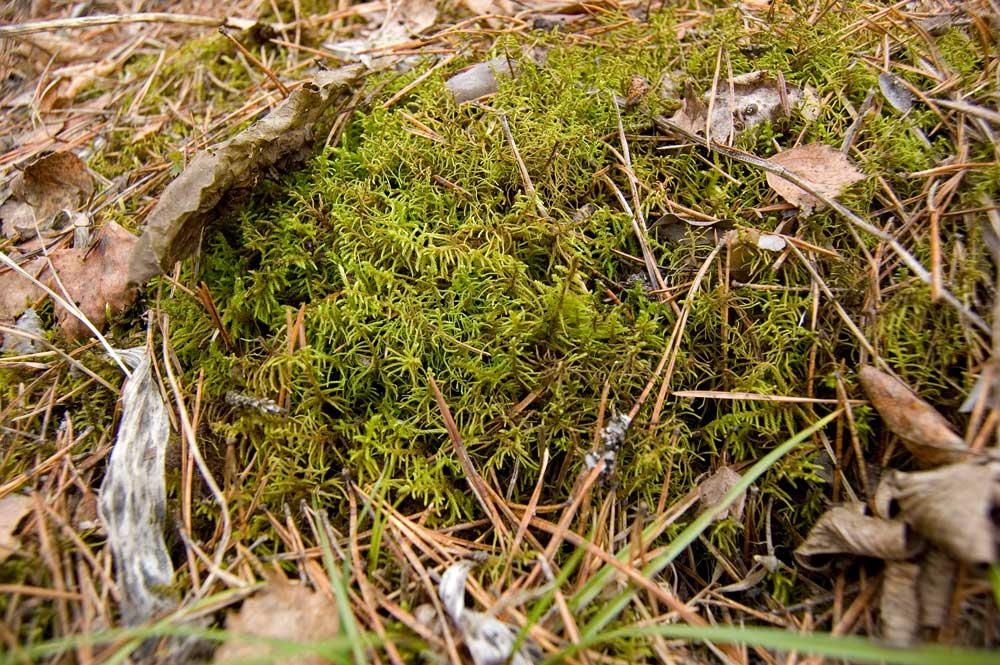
[(119, 19)]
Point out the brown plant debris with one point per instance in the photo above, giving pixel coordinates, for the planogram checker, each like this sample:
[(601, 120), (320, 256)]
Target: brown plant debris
[(713, 489), (281, 611), (189, 202), (94, 280), (13, 509), (849, 529), (826, 169), (924, 431), (57, 181), (743, 102), (954, 507)]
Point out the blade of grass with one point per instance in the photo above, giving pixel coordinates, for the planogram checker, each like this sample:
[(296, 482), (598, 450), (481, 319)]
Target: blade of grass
[(609, 611), (854, 649), (338, 577), (166, 627)]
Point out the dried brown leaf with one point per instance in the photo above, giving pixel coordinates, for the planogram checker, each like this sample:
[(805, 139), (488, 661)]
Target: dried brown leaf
[(713, 489), (847, 529), (746, 101), (406, 18), (67, 82), (924, 431), (174, 225), (493, 7), (826, 169), (95, 279), (900, 603), (57, 181), (281, 611), (13, 509), (59, 48), (954, 507), (17, 293)]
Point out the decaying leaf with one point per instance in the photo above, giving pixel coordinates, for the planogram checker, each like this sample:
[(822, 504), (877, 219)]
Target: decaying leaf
[(405, 19), (13, 509), (17, 293), (744, 102), (826, 169), (847, 529), (133, 497), (900, 603), (955, 507), (713, 489), (924, 431), (55, 182), (402, 20), (174, 225), (282, 611), (95, 280), (493, 7), (488, 639)]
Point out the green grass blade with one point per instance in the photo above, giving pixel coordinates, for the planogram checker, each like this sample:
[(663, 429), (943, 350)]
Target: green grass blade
[(609, 611), (339, 575), (855, 649)]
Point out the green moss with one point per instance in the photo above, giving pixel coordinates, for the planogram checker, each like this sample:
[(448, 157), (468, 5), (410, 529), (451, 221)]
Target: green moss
[(401, 276)]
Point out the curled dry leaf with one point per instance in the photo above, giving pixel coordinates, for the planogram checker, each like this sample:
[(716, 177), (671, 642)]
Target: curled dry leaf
[(174, 225), (924, 431), (900, 603), (847, 529), (826, 169), (55, 182), (13, 509), (280, 611), (745, 101), (488, 639), (954, 507), (713, 489), (132, 502)]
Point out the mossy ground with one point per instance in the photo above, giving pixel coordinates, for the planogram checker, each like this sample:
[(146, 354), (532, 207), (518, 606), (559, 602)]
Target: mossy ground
[(409, 256)]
